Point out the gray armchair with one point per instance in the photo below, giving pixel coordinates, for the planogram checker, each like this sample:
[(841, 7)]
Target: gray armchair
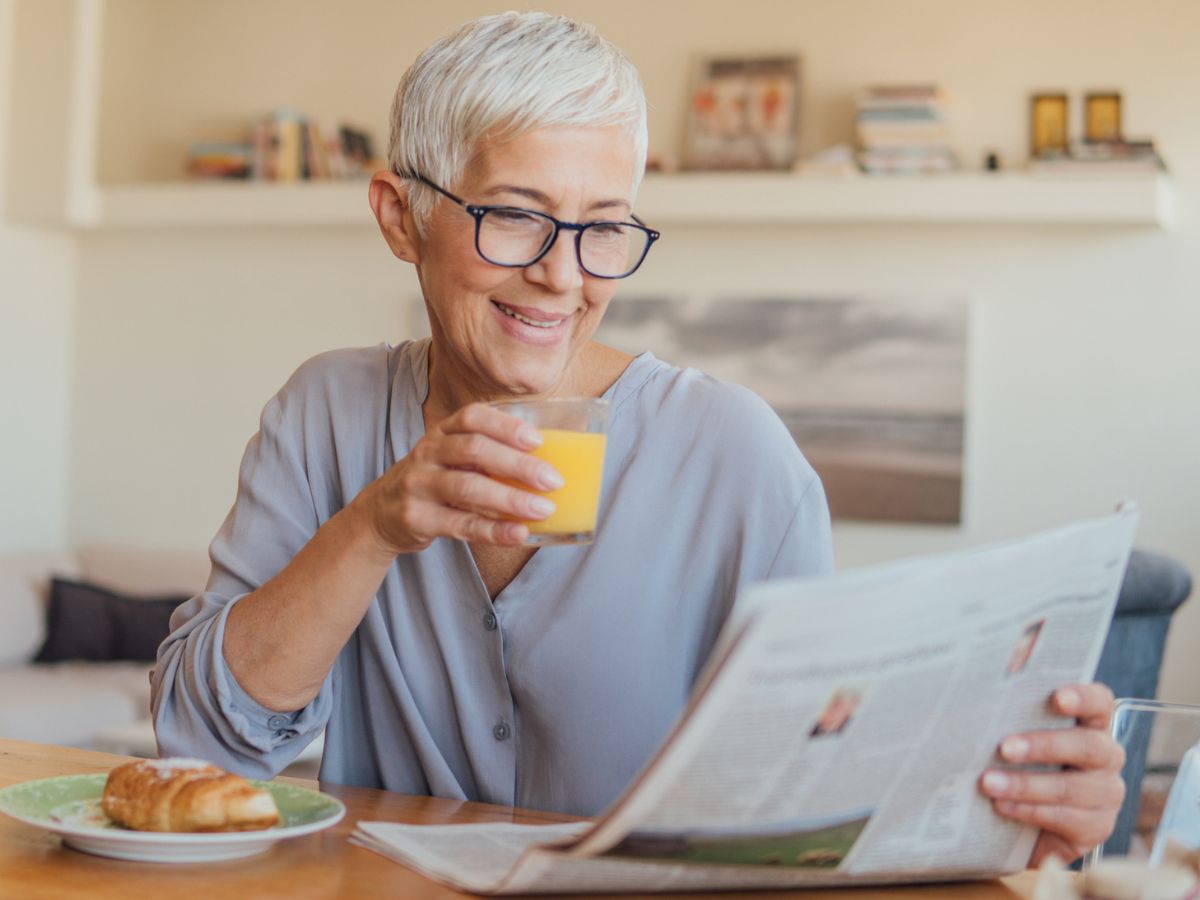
[(1154, 587)]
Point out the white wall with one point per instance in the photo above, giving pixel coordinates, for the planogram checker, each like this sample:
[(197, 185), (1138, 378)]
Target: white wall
[(1083, 379), (36, 284), (181, 337)]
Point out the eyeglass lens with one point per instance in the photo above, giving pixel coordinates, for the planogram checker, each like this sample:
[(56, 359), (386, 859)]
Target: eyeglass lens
[(515, 237)]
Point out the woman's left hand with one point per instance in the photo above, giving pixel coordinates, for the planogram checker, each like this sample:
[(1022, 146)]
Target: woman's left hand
[(1077, 807)]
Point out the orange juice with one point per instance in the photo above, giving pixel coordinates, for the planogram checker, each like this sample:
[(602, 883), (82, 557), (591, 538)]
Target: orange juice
[(579, 458)]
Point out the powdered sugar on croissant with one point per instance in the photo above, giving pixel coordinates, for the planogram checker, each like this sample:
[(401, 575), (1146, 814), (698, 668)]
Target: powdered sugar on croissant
[(185, 795)]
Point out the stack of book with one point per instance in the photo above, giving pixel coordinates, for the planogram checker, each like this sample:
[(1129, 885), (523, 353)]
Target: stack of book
[(1103, 158), (286, 146), (903, 129)]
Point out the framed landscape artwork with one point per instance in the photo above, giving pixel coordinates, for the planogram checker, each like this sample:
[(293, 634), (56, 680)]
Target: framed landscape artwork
[(873, 390)]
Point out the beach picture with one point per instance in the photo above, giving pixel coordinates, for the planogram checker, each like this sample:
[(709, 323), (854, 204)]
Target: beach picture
[(872, 389)]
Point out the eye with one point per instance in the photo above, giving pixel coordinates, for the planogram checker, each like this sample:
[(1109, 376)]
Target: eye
[(607, 229), (515, 217)]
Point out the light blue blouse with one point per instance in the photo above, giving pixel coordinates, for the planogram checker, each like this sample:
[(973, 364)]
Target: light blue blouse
[(554, 695)]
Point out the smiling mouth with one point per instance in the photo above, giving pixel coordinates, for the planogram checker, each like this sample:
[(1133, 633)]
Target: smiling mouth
[(536, 323)]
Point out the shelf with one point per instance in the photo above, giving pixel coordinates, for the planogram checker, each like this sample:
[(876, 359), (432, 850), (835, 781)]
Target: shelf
[(691, 199), (686, 199), (961, 198), (228, 204)]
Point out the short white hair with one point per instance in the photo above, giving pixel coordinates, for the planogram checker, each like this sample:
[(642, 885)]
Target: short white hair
[(502, 76)]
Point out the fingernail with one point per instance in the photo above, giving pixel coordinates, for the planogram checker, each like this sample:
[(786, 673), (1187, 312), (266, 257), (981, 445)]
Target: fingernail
[(1068, 700), (530, 437), (550, 479), (1014, 749), (996, 782), (541, 507)]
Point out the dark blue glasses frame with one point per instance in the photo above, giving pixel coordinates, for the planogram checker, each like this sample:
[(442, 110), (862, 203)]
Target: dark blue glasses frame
[(478, 212)]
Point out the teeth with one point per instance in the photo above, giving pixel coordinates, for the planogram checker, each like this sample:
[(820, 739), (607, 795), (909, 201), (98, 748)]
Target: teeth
[(520, 318)]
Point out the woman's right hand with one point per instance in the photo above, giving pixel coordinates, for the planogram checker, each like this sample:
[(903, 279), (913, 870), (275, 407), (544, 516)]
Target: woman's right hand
[(452, 484)]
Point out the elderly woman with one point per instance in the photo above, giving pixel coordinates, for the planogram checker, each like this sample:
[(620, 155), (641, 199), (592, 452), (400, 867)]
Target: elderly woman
[(372, 579)]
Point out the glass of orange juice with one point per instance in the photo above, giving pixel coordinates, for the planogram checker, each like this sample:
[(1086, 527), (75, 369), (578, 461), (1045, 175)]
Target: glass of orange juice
[(573, 440)]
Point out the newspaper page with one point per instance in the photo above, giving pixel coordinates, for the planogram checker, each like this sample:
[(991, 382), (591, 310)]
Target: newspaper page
[(839, 732)]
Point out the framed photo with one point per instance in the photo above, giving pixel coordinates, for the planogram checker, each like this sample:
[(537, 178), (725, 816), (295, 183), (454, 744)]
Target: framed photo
[(744, 114), (1048, 125), (1102, 118)]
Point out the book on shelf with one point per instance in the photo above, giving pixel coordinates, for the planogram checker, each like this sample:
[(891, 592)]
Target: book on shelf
[(286, 146), (903, 129), (835, 737), (288, 149)]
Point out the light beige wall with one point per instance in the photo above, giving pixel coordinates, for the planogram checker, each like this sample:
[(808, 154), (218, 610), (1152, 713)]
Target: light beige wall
[(181, 337), (36, 280), (1084, 375), (164, 85)]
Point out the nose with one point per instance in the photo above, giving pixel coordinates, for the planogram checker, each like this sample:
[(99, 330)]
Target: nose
[(559, 269)]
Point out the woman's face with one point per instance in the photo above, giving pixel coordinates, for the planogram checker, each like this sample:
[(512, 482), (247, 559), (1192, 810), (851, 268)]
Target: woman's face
[(500, 332)]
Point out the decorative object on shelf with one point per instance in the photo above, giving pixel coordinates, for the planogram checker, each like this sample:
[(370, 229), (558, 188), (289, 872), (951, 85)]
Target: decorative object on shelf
[(744, 114), (286, 146), (835, 160), (991, 161), (663, 163), (1103, 151), (873, 390), (220, 160), (1102, 117), (1048, 125), (903, 130)]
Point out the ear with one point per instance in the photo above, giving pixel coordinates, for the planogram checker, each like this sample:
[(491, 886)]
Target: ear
[(388, 195)]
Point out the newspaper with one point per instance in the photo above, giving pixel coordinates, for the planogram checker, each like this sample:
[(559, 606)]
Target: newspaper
[(836, 736)]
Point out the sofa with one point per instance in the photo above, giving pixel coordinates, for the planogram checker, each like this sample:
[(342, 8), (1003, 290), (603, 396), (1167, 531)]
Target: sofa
[(76, 703), (1154, 588), (92, 705)]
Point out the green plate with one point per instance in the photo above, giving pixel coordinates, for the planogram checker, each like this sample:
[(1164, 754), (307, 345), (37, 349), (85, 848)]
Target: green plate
[(69, 805)]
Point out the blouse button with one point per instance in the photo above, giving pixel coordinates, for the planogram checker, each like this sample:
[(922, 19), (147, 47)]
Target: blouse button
[(489, 622), (501, 732)]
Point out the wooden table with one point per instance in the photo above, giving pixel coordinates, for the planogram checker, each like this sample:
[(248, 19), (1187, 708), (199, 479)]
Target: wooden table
[(34, 864)]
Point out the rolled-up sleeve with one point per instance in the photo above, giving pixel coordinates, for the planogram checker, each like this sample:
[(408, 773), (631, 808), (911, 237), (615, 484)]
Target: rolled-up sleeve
[(199, 708)]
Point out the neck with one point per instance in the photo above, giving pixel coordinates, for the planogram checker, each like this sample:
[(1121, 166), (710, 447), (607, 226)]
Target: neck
[(451, 386), (594, 370)]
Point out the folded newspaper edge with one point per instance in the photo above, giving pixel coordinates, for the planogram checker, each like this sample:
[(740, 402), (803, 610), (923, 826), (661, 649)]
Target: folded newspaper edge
[(835, 736)]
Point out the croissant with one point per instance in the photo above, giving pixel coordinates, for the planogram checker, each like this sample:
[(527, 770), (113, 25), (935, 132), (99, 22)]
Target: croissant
[(185, 795)]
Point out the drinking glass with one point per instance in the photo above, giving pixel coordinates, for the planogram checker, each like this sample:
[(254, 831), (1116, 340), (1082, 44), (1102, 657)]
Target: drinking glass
[(573, 441)]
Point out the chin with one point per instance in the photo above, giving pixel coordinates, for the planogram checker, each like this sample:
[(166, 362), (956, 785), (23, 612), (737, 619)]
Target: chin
[(531, 377)]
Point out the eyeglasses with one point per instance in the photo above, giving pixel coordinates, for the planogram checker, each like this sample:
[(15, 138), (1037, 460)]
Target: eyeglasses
[(513, 237)]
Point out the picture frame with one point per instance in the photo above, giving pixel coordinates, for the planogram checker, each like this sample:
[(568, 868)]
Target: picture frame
[(872, 388), (1049, 134), (743, 114), (1102, 117)]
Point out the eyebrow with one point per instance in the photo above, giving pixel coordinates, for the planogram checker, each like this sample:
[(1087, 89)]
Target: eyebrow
[(538, 197)]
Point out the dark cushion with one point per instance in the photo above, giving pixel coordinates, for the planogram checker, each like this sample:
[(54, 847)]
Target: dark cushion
[(1154, 585), (87, 622)]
